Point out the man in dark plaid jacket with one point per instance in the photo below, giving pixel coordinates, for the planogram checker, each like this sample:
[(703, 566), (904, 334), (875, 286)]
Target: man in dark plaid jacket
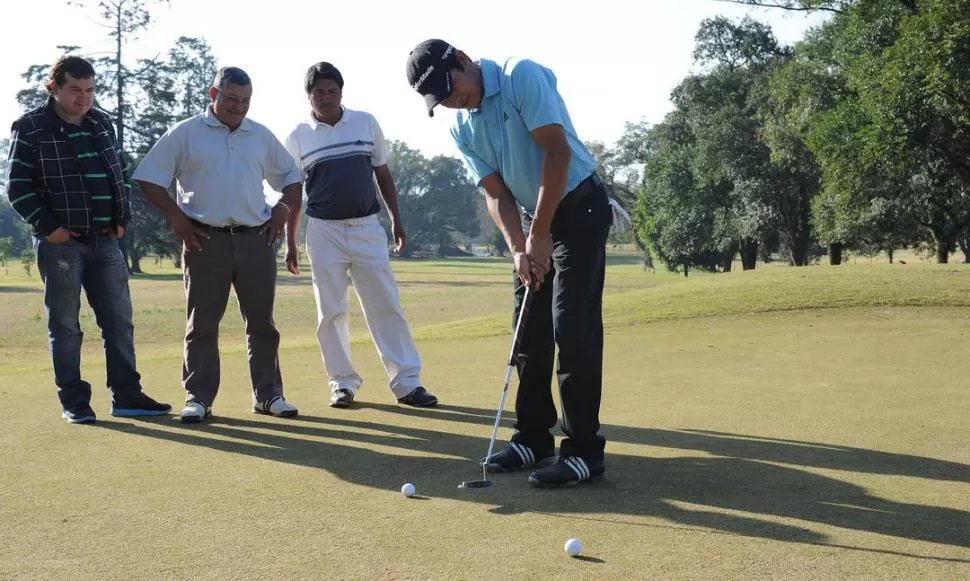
[(67, 178)]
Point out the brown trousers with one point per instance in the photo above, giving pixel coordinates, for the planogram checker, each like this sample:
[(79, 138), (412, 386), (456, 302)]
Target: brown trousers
[(243, 261)]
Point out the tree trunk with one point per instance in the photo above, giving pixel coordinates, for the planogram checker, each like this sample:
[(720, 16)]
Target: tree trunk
[(749, 254), (120, 88), (135, 257), (835, 253), (727, 262), (965, 247), (798, 248), (685, 270), (890, 253), (177, 261), (942, 253), (647, 260)]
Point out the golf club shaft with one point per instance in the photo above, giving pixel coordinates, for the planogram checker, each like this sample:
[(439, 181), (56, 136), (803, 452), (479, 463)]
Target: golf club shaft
[(498, 416), (526, 297)]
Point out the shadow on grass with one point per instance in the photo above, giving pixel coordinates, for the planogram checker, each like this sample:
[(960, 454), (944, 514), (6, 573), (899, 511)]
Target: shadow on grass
[(814, 454), (455, 283), (690, 492), (283, 277), (19, 290)]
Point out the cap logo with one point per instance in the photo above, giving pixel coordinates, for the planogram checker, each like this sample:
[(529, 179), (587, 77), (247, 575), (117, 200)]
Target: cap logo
[(448, 51), (424, 77)]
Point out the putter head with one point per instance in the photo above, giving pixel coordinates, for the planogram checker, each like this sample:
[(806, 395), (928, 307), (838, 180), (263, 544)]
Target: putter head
[(475, 484)]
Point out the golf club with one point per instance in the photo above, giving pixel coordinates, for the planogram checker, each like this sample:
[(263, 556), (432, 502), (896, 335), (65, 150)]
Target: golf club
[(513, 359)]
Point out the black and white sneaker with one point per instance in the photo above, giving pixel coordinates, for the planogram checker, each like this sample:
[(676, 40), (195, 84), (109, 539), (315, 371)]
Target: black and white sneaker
[(566, 471), (341, 398), (79, 414), (139, 405), (515, 456)]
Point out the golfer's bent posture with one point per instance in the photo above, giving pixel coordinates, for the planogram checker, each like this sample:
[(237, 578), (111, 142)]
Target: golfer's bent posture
[(517, 139), (219, 160)]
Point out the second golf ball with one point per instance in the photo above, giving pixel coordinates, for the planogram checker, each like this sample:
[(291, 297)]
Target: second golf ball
[(573, 547), (407, 489)]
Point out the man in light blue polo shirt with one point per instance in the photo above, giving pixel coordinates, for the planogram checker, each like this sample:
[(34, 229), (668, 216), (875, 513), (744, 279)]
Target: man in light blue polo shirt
[(513, 129)]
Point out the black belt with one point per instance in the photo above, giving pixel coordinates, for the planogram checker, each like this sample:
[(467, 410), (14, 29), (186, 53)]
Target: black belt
[(231, 229)]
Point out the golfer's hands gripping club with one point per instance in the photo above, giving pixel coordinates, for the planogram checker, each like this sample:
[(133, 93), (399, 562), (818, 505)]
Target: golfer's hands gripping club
[(526, 269), (538, 247), (190, 235)]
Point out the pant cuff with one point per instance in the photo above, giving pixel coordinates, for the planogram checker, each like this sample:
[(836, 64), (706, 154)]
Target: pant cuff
[(351, 383), (402, 387)]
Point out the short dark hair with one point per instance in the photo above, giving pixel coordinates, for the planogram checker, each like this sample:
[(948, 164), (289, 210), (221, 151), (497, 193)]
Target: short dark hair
[(230, 76), (75, 66), (322, 70)]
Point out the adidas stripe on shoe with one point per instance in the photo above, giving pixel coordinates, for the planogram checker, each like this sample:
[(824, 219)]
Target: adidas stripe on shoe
[(566, 471), (515, 456)]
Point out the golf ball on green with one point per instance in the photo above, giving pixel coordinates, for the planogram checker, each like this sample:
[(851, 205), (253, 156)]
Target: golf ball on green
[(573, 547), (407, 489)]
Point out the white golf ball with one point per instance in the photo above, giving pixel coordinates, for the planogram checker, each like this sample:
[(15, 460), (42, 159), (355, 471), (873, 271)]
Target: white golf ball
[(407, 489), (573, 547)]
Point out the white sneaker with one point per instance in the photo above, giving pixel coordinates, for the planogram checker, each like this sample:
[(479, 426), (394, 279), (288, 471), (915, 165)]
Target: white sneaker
[(278, 406), (194, 412)]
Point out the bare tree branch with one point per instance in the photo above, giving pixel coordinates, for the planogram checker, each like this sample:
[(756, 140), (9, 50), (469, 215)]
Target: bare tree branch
[(795, 5)]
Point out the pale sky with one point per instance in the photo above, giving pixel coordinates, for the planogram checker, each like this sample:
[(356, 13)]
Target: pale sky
[(615, 61)]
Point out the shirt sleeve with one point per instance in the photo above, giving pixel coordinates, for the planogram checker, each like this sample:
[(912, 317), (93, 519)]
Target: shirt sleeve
[(381, 150), (22, 190), (292, 145), (475, 164), (281, 170), (535, 96), (161, 164)]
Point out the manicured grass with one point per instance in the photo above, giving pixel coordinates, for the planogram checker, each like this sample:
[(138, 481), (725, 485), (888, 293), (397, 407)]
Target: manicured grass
[(778, 424)]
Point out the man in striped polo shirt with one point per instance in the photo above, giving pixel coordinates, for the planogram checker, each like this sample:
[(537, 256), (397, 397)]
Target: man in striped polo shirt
[(67, 177), (341, 152)]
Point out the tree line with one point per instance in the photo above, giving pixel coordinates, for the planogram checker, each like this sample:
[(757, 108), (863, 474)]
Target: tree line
[(439, 204), (855, 139)]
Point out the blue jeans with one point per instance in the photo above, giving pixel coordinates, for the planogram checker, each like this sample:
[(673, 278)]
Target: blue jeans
[(94, 263)]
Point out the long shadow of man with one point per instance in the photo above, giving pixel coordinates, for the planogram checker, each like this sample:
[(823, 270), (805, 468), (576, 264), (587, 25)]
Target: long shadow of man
[(742, 475)]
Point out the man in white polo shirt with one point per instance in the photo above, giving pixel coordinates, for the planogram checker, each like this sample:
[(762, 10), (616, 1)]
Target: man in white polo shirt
[(219, 160), (340, 152)]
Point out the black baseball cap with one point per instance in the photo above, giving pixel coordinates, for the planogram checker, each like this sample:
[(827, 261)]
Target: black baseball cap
[(429, 65)]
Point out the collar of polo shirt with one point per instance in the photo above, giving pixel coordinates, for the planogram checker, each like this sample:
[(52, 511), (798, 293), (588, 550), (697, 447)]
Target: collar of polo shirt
[(317, 124), (491, 81), (212, 121)]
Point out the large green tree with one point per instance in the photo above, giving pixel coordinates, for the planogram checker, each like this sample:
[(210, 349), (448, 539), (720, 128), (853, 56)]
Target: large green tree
[(713, 184), (438, 203), (879, 95)]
